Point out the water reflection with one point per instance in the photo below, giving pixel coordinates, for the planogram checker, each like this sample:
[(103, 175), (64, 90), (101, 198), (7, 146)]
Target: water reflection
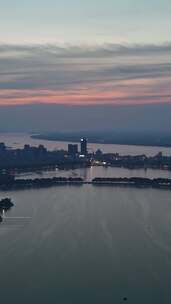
[(91, 172)]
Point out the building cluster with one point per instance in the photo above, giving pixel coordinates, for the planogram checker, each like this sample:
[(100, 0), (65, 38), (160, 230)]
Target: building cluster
[(33, 157), (76, 156), (74, 151)]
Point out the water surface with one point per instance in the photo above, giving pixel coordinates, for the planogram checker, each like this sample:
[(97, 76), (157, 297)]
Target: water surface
[(86, 245)]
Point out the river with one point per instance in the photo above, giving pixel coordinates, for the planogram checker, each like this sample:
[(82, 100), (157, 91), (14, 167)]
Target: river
[(86, 244)]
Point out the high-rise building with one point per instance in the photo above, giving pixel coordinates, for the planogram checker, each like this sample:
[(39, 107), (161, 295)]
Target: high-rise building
[(2, 147), (83, 146), (72, 149)]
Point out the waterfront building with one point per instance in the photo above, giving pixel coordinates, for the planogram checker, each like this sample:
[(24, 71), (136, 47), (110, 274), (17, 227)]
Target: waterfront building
[(83, 146), (72, 149), (2, 147)]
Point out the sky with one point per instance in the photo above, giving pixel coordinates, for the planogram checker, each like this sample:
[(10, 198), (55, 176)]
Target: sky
[(85, 52)]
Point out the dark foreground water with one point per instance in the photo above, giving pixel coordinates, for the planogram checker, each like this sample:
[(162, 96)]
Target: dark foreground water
[(86, 244)]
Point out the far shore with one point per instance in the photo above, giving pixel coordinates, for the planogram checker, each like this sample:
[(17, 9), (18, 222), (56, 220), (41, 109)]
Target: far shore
[(102, 142)]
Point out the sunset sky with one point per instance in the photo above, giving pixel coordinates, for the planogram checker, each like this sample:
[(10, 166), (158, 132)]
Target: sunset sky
[(81, 52)]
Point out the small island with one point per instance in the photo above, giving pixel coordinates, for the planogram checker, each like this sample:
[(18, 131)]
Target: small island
[(5, 204)]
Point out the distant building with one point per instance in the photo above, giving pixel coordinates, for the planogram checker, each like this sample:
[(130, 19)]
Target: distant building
[(27, 147), (159, 155), (2, 147), (83, 146), (42, 149), (72, 149)]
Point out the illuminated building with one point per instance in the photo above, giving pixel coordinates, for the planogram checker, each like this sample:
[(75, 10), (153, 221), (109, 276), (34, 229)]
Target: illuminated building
[(83, 146)]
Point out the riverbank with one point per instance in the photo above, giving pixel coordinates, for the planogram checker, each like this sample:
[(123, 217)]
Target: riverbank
[(135, 182), (36, 158), (111, 138)]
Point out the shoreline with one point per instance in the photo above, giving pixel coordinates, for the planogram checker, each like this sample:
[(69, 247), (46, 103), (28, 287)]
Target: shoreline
[(133, 182), (37, 137)]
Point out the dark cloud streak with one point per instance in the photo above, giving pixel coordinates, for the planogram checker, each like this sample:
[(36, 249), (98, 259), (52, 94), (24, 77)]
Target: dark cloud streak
[(72, 68)]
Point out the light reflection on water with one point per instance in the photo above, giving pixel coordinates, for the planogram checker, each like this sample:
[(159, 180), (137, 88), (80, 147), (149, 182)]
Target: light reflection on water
[(89, 173)]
